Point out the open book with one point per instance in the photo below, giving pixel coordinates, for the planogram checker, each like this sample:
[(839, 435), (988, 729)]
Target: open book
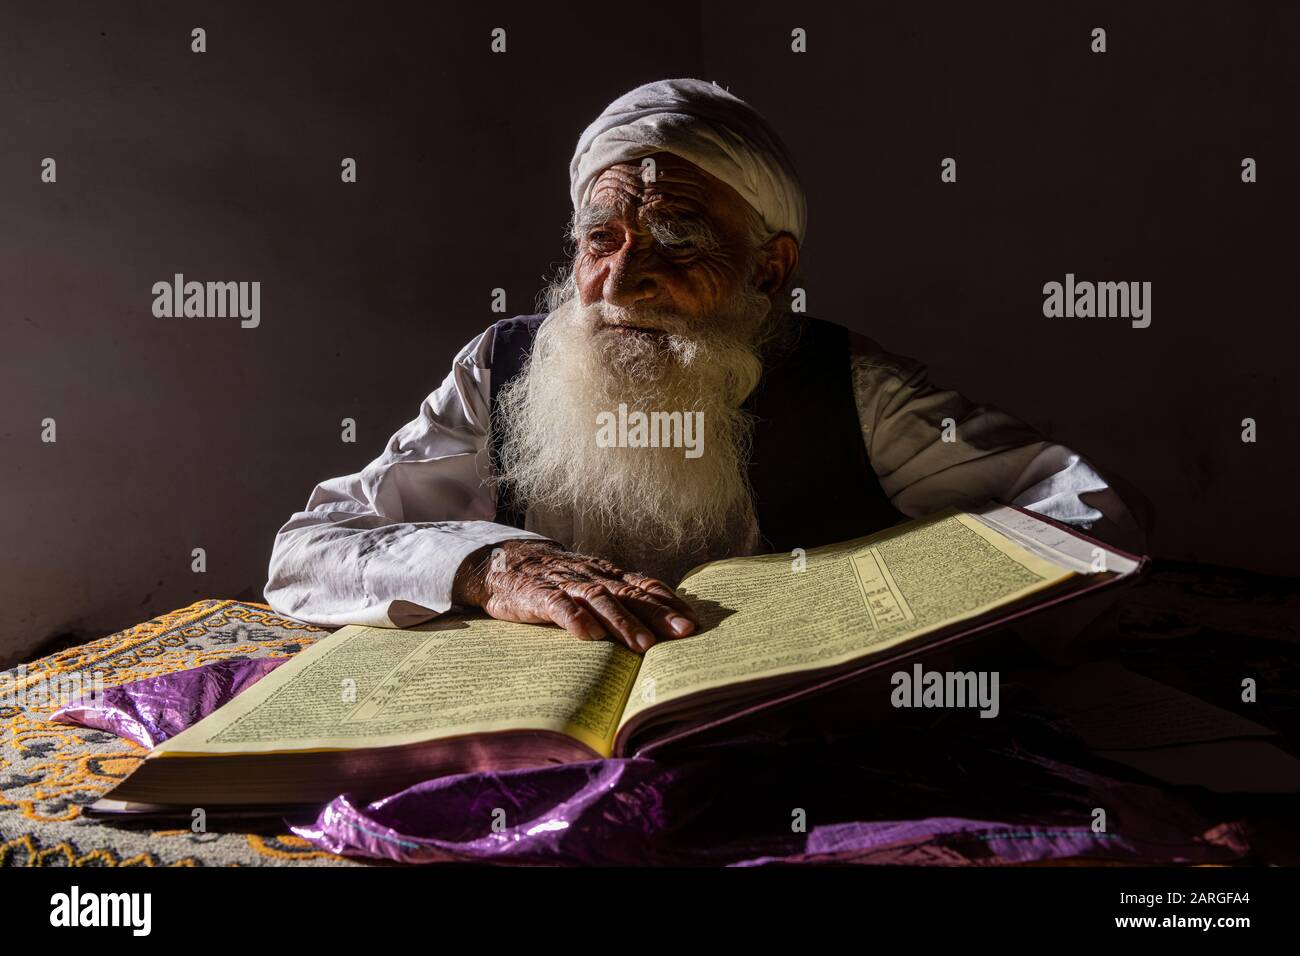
[(369, 711)]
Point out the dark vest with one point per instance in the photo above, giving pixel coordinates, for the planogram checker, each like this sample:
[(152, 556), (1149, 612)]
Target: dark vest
[(812, 481)]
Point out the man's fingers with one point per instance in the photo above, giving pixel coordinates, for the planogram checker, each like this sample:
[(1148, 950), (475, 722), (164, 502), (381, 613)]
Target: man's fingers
[(617, 619), (600, 568), (570, 615), (656, 611), (661, 590)]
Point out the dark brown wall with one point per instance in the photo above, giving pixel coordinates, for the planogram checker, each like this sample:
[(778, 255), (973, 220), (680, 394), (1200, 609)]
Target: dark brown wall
[(175, 434)]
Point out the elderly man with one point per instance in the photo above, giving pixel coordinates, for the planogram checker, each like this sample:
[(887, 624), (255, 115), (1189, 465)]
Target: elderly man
[(508, 492)]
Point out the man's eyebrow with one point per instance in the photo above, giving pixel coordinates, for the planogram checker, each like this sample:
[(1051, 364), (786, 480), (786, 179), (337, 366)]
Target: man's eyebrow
[(682, 230), (666, 228), (590, 216)]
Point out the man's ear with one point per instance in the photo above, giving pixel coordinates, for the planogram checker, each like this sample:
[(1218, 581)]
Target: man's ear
[(780, 258)]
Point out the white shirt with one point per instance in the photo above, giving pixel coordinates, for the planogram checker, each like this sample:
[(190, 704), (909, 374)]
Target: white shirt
[(382, 546)]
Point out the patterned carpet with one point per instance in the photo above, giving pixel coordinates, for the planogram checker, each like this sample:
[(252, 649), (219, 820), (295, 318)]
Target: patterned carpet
[(49, 771)]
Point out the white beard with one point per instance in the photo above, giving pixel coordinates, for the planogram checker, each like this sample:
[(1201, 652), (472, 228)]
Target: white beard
[(650, 510)]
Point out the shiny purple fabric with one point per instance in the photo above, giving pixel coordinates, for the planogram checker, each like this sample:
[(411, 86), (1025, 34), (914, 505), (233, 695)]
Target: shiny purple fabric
[(629, 811), (877, 798), (151, 710)]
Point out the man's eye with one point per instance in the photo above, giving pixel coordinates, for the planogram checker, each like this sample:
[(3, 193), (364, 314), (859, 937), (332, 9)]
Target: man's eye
[(680, 247), (601, 237)]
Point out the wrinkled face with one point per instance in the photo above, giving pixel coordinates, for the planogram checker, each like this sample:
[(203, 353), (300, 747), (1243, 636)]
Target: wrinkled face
[(668, 252)]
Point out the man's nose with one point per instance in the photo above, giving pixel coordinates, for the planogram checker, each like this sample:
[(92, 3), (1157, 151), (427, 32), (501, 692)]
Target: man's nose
[(631, 280)]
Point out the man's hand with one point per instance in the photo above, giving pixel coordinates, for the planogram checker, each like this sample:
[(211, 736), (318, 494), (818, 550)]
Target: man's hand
[(538, 582)]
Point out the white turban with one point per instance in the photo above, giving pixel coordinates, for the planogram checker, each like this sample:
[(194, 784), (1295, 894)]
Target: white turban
[(704, 124)]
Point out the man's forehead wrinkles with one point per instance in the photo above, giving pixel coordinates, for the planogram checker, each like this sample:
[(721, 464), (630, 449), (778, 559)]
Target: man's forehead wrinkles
[(633, 183), (648, 204), (616, 193)]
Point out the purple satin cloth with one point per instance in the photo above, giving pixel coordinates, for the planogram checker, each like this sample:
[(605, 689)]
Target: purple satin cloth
[(755, 798), (627, 812), (151, 710)]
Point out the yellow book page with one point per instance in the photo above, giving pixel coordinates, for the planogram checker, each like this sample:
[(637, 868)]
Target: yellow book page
[(773, 614), (382, 687)]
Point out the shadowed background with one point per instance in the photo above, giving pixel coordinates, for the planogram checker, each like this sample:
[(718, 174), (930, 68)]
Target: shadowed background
[(178, 433)]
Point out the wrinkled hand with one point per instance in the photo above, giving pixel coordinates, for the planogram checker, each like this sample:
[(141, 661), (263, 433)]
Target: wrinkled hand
[(538, 582)]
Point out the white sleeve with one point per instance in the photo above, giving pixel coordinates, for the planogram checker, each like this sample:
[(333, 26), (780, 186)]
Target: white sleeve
[(932, 449), (382, 547)]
